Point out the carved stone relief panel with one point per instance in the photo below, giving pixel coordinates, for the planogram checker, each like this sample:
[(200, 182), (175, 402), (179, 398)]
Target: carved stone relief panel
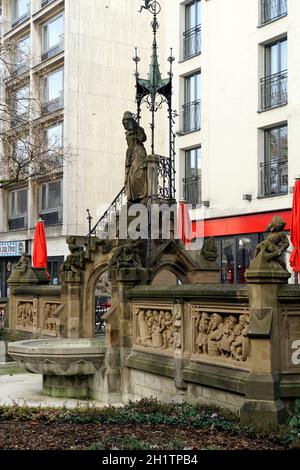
[(158, 327), (220, 334), (51, 317), (26, 315), (291, 340)]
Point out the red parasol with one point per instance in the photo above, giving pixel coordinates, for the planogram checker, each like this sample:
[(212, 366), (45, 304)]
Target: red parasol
[(295, 229), (184, 224), (39, 258)]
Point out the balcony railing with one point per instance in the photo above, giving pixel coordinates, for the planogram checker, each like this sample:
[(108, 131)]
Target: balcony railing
[(192, 42), (192, 116), (17, 223), (46, 2), (52, 106), (274, 90), (52, 218), (272, 10), (274, 177), (192, 190)]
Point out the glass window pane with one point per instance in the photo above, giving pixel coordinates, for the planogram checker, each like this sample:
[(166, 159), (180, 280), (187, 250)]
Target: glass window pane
[(54, 136), (55, 85), (21, 8), (283, 55), (44, 197), (53, 32), (22, 100), (228, 261), (54, 195), (245, 253), (22, 201)]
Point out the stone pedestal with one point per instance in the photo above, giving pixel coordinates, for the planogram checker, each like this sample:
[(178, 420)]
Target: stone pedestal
[(263, 405)]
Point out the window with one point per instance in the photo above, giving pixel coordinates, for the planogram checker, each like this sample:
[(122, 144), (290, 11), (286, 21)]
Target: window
[(53, 141), (51, 202), (18, 207), (22, 149), (191, 108), (274, 84), (192, 181), (21, 11), (21, 57), (20, 105), (235, 255), (274, 170), (54, 263), (54, 137), (192, 34), (53, 36), (272, 10), (53, 91)]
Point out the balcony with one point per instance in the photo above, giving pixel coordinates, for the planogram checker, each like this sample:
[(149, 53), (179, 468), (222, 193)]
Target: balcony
[(274, 177), (274, 90), (192, 42), (54, 50), (272, 10), (192, 116), (192, 190)]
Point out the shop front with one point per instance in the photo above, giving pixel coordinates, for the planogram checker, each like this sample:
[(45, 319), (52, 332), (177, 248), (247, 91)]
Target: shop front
[(236, 239), (10, 252)]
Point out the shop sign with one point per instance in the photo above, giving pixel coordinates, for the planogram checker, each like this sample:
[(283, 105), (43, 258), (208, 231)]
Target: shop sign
[(11, 249)]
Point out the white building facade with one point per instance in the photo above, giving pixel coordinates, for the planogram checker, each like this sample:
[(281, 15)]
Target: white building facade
[(80, 66), (237, 90)]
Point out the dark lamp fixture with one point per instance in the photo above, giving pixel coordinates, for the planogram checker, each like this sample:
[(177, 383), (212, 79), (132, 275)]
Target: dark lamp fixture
[(247, 197)]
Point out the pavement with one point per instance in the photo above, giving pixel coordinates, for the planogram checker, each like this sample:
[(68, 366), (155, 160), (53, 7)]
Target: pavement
[(25, 389)]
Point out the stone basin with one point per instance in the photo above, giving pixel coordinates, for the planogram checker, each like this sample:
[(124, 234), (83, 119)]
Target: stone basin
[(59, 357)]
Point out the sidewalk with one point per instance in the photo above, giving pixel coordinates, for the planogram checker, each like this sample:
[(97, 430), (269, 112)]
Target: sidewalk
[(26, 389)]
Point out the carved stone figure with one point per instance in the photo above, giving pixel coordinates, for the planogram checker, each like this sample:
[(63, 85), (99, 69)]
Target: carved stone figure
[(136, 160), (202, 324), (145, 332), (23, 263), (126, 256), (274, 246), (227, 336), (50, 317), (75, 261), (209, 250), (240, 345)]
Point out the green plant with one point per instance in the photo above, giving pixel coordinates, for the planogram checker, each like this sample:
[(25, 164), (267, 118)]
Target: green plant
[(294, 419)]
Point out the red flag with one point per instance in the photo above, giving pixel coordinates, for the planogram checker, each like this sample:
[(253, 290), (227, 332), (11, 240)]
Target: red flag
[(39, 258), (184, 224), (295, 229)]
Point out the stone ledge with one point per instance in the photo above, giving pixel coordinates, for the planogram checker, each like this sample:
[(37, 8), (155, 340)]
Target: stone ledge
[(153, 364), (218, 377), (289, 386)]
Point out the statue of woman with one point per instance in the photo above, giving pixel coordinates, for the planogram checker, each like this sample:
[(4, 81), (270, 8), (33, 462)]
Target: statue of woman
[(136, 160)]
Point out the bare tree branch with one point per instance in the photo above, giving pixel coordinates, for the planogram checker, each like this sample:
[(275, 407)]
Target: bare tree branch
[(31, 147)]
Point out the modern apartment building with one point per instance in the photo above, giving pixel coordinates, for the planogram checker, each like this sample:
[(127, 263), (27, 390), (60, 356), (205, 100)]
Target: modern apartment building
[(79, 66), (237, 90)]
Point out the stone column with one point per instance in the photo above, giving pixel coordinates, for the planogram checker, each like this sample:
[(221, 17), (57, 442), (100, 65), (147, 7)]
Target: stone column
[(152, 176), (119, 329), (263, 405), (72, 298)]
